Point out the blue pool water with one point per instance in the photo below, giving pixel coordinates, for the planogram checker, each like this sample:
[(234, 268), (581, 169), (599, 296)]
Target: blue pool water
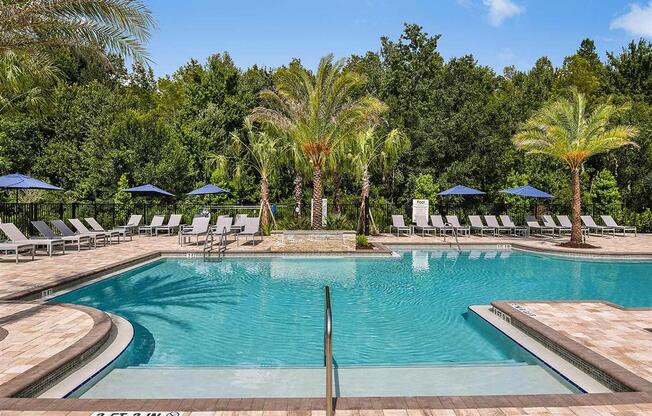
[(410, 310)]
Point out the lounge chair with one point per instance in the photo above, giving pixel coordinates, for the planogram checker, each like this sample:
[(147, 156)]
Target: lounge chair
[(492, 221), (47, 232), (565, 222), (251, 229), (533, 225), (157, 221), (438, 222), (81, 229), (516, 230), (587, 220), (223, 225), (548, 221), (476, 224), (239, 223), (67, 232), (172, 226), (17, 248), (17, 237), (398, 223), (198, 228), (610, 222), (422, 224), (455, 222), (95, 226), (132, 224)]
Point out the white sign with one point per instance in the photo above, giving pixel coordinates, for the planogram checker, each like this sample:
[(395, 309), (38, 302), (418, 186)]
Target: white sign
[(420, 208), (324, 210)]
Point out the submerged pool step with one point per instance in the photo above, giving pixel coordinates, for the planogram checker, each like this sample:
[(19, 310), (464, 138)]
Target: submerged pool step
[(150, 382)]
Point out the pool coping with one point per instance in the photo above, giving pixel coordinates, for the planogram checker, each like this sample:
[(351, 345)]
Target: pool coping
[(56, 367)]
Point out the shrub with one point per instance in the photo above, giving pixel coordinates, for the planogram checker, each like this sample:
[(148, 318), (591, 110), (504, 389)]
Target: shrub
[(361, 240), (339, 222)]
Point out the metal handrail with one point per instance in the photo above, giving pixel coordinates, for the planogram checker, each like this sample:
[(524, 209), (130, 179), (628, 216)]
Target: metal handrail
[(454, 234), (328, 353)]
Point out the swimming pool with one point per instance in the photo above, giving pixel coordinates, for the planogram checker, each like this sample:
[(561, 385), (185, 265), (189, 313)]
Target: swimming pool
[(411, 310)]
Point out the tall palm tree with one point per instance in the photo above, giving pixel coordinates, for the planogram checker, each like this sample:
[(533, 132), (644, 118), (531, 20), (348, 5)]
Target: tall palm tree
[(367, 150), (566, 131), (265, 153), (30, 30), (318, 112)]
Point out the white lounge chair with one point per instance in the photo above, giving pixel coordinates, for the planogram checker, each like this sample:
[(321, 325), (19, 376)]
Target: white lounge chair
[(67, 232), (534, 225), (132, 224), (587, 220), (565, 222), (17, 248), (198, 228), (476, 224), (251, 229), (438, 222), (516, 230), (239, 223), (172, 226), (610, 222), (398, 224), (17, 237), (47, 232), (548, 221), (223, 225), (157, 221), (422, 225), (492, 221), (95, 226), (81, 229), (459, 228)]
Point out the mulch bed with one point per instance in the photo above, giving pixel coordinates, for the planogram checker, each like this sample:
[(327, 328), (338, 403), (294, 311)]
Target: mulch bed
[(577, 245)]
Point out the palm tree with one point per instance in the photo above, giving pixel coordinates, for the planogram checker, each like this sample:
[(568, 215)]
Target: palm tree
[(318, 112), (265, 153), (566, 131), (31, 30), (368, 150)]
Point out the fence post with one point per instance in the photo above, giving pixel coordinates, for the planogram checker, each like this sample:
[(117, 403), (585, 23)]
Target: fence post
[(74, 210)]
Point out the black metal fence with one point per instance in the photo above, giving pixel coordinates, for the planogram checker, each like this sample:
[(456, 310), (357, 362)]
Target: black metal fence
[(344, 216)]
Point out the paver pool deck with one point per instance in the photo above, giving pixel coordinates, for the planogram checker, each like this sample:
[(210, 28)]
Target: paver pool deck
[(37, 340)]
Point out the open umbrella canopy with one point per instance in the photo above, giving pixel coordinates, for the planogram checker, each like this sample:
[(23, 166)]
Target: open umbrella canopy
[(208, 190), (461, 190), (19, 181), (147, 189), (527, 191)]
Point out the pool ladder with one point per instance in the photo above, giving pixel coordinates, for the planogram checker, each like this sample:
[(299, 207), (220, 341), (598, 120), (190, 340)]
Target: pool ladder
[(328, 352), (221, 244), (454, 234)]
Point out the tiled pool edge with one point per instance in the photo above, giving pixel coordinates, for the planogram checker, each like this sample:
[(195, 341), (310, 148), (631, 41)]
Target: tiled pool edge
[(56, 367), (606, 371)]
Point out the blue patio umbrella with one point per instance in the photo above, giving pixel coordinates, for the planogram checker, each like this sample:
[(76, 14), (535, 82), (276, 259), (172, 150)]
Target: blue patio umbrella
[(208, 190), (147, 190), (19, 181), (461, 190), (528, 191)]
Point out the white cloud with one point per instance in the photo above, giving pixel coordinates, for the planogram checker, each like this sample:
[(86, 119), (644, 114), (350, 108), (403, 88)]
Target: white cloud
[(499, 10), (638, 21)]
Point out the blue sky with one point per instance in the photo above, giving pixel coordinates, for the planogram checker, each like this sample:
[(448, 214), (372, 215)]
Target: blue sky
[(497, 32)]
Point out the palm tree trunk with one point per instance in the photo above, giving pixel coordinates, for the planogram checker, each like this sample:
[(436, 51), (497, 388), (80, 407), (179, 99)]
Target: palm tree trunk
[(298, 193), (264, 202), (337, 195), (317, 192), (364, 195), (576, 229)]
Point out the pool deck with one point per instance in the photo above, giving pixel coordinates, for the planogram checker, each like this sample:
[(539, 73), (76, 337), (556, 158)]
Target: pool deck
[(37, 341)]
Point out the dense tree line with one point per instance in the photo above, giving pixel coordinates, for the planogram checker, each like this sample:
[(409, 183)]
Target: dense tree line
[(99, 123)]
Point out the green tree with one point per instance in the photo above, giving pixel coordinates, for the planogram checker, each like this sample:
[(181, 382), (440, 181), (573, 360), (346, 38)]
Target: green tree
[(123, 199), (32, 31), (566, 131), (265, 152), (368, 150), (425, 188), (605, 194), (318, 112)]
